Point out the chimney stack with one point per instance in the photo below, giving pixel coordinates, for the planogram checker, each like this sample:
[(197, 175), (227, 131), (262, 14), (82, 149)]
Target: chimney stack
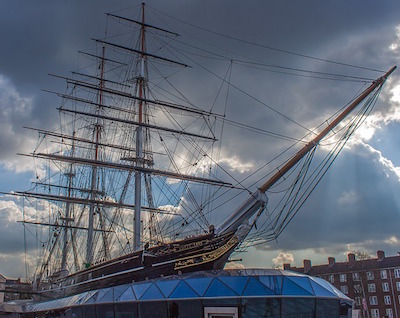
[(331, 261), (286, 266), (351, 257), (306, 265), (381, 255)]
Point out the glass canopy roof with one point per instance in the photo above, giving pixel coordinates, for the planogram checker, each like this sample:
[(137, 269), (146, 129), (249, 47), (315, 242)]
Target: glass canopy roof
[(232, 283)]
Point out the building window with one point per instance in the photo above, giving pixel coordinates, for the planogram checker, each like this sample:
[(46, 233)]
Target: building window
[(397, 273), (357, 289), (229, 312), (370, 275), (373, 300), (371, 288), (387, 300), (343, 278), (399, 298), (375, 313), (398, 286), (344, 289), (385, 287), (356, 277), (331, 278), (358, 301), (389, 312), (383, 274)]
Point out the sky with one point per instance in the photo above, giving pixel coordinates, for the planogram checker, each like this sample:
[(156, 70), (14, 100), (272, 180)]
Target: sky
[(355, 208)]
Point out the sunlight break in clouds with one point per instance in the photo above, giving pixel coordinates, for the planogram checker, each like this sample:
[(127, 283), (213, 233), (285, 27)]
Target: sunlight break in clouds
[(386, 163)]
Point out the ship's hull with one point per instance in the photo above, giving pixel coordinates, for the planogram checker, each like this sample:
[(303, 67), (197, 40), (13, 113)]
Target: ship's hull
[(205, 252)]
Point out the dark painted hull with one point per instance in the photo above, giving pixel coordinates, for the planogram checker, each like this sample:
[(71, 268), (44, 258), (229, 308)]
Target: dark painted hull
[(205, 252)]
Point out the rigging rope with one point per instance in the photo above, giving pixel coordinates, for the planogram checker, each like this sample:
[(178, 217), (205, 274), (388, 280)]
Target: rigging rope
[(298, 193)]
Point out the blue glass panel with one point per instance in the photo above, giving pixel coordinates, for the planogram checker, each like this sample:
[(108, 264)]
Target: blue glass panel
[(303, 282), (328, 287), (183, 291), (255, 288), (236, 283), (218, 288), (153, 293), (127, 295), (99, 294), (167, 286), (140, 289), (69, 301), (319, 290), (273, 283), (290, 288), (81, 298), (119, 290), (200, 284), (90, 297), (105, 296)]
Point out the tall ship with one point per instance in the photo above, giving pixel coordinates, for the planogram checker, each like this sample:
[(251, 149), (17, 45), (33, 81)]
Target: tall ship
[(129, 185)]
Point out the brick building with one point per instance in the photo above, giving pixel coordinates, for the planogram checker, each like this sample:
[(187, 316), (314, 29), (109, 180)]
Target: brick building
[(2, 287), (374, 284), (14, 289)]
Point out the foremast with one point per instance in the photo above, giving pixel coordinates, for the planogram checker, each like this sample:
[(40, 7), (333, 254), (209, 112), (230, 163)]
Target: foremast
[(258, 199)]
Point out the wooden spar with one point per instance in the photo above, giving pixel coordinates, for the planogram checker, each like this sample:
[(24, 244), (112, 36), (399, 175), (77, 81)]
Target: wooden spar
[(289, 165), (141, 81)]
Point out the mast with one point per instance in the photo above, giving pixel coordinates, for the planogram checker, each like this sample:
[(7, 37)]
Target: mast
[(70, 176), (94, 185), (258, 199), (139, 142)]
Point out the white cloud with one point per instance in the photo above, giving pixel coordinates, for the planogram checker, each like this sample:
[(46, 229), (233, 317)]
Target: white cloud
[(395, 45), (283, 258), (395, 93), (393, 240), (234, 265), (235, 164), (386, 163)]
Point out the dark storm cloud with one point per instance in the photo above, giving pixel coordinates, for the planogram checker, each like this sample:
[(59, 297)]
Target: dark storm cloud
[(41, 39)]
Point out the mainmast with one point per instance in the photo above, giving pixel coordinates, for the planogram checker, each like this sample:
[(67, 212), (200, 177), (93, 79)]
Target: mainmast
[(139, 140)]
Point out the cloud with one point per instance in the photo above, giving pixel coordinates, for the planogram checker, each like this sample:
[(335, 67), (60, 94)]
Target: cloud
[(235, 164), (348, 198), (14, 108), (393, 240), (386, 164), (283, 258), (11, 238), (395, 45), (234, 265)]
